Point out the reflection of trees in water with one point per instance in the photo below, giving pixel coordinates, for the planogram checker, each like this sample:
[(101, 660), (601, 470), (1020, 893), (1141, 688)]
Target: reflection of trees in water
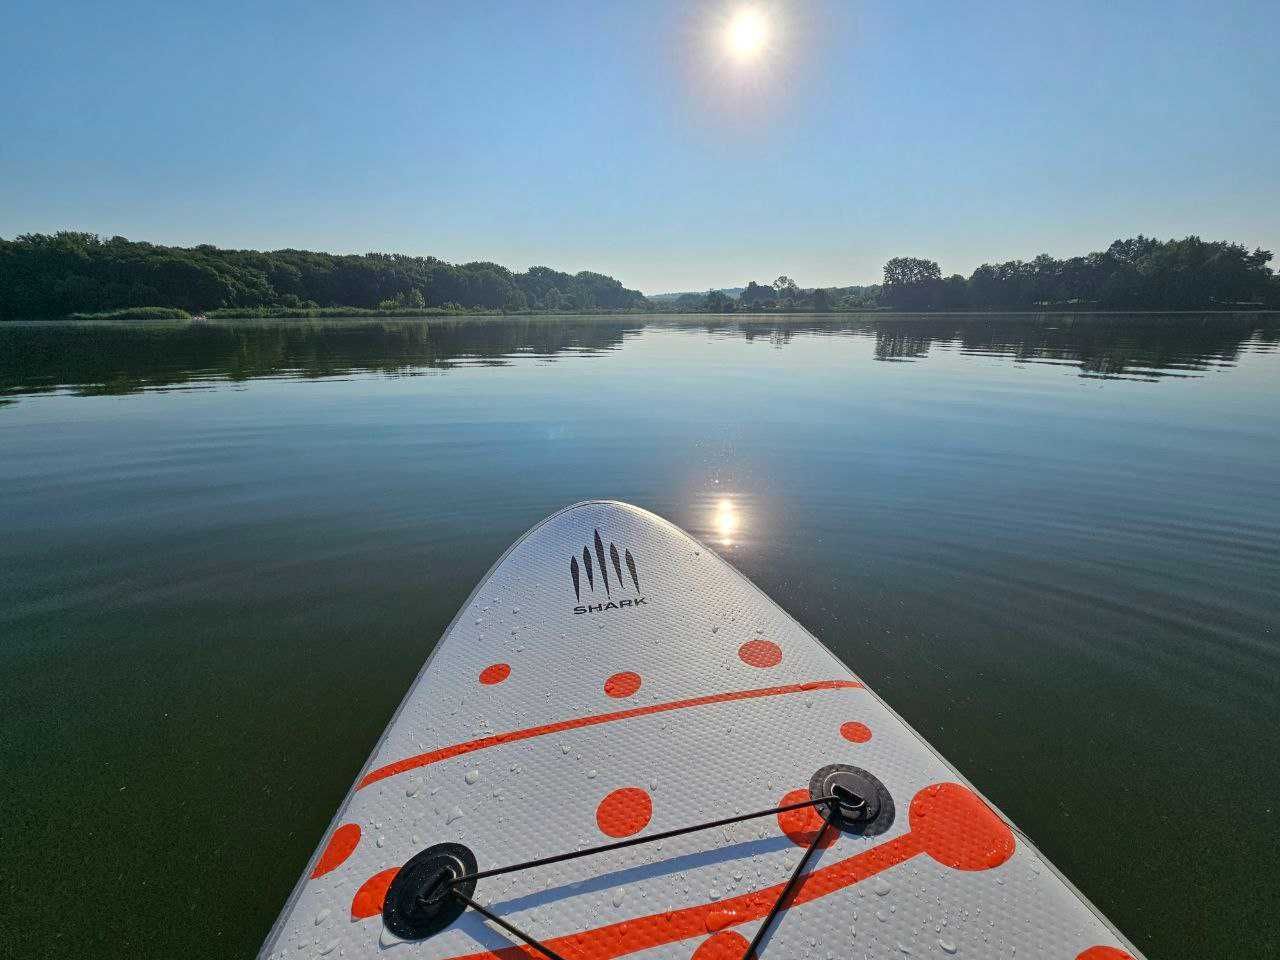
[(110, 358), (1146, 348), (1135, 346), (901, 344), (123, 358)]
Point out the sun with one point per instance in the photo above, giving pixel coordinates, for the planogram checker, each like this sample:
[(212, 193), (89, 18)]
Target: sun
[(747, 34)]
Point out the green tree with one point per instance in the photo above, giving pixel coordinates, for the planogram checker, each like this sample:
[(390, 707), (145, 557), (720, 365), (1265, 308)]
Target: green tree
[(954, 292), (911, 283), (717, 301), (758, 294)]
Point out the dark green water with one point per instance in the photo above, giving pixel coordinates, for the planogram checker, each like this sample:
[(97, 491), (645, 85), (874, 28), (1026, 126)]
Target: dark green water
[(1053, 545)]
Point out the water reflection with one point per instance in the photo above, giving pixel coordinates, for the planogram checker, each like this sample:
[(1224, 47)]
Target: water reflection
[(1024, 565), (95, 359), (726, 522)]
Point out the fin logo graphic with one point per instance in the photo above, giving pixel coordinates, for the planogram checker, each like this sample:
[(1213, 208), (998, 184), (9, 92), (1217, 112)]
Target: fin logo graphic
[(598, 568)]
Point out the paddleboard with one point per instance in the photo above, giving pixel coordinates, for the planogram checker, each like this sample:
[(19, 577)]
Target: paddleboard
[(611, 681)]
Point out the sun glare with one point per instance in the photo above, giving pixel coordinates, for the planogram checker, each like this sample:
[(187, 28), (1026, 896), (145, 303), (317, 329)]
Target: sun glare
[(747, 34), (726, 521)]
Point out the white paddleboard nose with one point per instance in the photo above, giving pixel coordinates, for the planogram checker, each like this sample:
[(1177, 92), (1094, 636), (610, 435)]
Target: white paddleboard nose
[(612, 681)]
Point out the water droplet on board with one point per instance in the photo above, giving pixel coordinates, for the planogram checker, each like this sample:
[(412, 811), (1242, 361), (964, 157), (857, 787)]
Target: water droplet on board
[(717, 920), (591, 774), (947, 946), (617, 898), (472, 776), (454, 814), (882, 886), (882, 916), (329, 947), (411, 790), (564, 747), (382, 841), (322, 916)]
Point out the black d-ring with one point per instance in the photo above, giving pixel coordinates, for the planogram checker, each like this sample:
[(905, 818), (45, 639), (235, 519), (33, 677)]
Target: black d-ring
[(863, 805), (420, 900)]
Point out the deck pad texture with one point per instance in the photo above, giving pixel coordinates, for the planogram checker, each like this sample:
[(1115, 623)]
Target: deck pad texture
[(610, 678)]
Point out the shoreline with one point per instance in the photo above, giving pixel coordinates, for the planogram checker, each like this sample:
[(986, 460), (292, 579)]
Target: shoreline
[(741, 317)]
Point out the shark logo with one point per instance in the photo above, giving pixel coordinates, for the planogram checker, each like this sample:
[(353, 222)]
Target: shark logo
[(590, 567)]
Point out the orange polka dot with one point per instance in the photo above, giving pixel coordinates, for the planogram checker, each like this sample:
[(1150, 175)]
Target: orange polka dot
[(760, 653), (958, 830), (855, 732), (723, 946), (622, 684), (495, 673), (336, 851), (368, 899), (1104, 953), (801, 825), (624, 812)]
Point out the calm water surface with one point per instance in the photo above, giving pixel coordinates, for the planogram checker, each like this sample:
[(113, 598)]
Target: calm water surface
[(225, 549)]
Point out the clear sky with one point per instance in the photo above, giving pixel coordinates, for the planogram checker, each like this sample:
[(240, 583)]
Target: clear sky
[(627, 137)]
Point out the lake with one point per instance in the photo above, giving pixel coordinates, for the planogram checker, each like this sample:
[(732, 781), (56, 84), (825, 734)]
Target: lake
[(1052, 543)]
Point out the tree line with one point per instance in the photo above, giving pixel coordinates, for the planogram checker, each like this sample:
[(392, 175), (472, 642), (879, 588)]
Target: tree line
[(68, 273), (64, 273), (783, 295), (1136, 274)]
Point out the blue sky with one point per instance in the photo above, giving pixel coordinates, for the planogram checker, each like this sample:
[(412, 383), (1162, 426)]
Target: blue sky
[(619, 137)]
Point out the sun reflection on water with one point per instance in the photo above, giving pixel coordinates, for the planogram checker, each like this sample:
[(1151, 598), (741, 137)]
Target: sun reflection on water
[(725, 521)]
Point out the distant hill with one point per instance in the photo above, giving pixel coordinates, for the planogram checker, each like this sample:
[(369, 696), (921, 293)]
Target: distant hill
[(46, 276), (65, 273), (734, 292)]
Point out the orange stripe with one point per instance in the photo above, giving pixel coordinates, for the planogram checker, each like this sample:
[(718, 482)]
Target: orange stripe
[(642, 933), (458, 749)]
